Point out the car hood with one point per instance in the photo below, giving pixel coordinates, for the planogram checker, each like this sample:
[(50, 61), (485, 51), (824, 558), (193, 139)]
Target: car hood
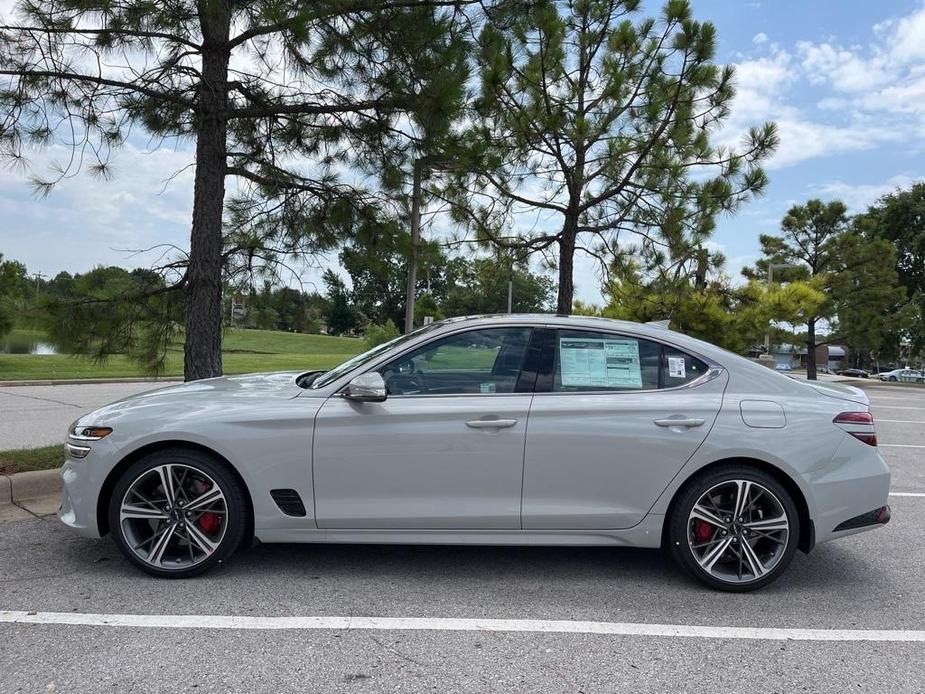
[(839, 391), (197, 395)]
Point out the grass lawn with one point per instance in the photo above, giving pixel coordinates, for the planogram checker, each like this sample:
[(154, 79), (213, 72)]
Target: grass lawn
[(244, 351), (25, 459)]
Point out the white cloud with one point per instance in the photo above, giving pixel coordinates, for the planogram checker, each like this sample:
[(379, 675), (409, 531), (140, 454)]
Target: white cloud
[(865, 95), (907, 42), (859, 196), (760, 38), (844, 69), (85, 221)]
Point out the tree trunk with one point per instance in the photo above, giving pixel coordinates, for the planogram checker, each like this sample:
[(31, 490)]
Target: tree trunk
[(811, 350), (567, 265), (203, 347)]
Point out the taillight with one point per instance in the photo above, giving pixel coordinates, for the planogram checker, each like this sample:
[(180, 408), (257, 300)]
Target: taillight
[(859, 418), (854, 418)]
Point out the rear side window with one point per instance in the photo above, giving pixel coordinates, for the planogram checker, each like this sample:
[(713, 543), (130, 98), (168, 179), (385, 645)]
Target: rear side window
[(679, 368), (588, 361)]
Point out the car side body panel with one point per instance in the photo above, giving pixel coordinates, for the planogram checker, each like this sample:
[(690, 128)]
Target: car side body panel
[(263, 426), (599, 460)]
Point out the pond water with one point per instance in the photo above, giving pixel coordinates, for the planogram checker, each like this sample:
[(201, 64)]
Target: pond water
[(26, 342)]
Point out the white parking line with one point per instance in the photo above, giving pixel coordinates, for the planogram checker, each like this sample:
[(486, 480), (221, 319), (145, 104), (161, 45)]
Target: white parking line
[(541, 626), (895, 407), (900, 445), (907, 494), (901, 421)]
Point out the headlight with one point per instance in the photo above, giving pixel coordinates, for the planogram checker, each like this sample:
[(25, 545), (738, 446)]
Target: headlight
[(82, 433)]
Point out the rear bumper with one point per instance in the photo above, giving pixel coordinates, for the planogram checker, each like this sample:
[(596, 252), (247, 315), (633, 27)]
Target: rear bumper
[(851, 494), (879, 516)]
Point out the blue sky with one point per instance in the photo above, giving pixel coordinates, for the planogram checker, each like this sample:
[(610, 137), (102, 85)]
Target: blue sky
[(845, 81)]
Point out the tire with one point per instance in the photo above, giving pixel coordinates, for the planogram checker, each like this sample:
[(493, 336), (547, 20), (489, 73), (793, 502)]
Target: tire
[(204, 525), (691, 537), (894, 379)]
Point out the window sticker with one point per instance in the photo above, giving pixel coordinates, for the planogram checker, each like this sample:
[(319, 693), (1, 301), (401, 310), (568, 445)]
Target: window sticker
[(676, 367), (603, 362)]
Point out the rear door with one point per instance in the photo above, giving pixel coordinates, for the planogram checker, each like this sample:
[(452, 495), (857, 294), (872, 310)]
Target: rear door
[(613, 421)]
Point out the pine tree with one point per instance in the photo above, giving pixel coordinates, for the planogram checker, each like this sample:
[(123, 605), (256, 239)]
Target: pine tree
[(599, 129), (276, 95)]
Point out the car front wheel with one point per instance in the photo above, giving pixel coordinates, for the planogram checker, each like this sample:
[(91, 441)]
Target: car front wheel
[(176, 513), (734, 528)]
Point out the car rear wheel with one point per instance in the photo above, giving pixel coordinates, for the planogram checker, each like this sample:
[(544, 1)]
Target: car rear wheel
[(176, 513), (734, 528)]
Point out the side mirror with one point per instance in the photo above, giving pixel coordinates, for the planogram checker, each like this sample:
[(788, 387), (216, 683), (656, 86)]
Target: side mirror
[(368, 387)]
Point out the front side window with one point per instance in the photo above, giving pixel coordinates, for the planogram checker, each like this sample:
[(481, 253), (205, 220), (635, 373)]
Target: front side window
[(479, 361)]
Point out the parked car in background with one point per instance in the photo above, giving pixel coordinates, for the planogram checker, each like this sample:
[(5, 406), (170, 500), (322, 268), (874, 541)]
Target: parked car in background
[(904, 374), (784, 367), (856, 373), (495, 430)]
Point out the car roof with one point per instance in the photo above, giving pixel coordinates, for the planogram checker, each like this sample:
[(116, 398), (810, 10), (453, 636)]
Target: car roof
[(654, 331)]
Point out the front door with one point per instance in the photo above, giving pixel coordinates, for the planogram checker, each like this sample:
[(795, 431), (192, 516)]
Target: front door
[(443, 451), (619, 418)]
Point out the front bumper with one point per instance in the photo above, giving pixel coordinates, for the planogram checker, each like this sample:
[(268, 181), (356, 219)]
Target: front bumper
[(79, 495)]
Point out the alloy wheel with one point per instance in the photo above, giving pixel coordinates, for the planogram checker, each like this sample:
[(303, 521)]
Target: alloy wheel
[(173, 516), (738, 531)]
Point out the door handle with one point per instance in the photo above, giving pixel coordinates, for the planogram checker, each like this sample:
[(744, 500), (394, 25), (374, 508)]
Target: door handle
[(678, 422), (490, 423)]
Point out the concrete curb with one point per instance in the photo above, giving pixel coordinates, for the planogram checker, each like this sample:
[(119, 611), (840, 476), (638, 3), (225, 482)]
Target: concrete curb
[(23, 487), (82, 381)]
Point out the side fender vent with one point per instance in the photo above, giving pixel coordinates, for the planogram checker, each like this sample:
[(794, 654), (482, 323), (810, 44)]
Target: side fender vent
[(289, 501)]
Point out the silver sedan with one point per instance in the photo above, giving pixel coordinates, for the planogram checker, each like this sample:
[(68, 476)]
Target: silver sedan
[(502, 430)]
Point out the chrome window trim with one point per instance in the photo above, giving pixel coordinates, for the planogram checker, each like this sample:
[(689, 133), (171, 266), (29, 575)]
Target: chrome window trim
[(713, 371)]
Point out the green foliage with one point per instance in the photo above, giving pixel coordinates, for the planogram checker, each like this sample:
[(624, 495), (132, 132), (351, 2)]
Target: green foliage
[(12, 290), (595, 120), (245, 351), (480, 286), (426, 305), (855, 274), (341, 316), (314, 88), (109, 311), (732, 317), (26, 459), (377, 262), (900, 219), (867, 296), (374, 335)]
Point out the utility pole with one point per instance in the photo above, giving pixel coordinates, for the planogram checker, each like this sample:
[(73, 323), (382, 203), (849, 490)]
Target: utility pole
[(415, 239), (38, 283)]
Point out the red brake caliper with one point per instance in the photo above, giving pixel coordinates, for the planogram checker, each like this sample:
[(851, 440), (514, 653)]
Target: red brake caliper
[(208, 521), (702, 531)]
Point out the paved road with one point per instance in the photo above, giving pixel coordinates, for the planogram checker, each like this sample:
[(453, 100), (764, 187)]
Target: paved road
[(39, 415), (871, 581)]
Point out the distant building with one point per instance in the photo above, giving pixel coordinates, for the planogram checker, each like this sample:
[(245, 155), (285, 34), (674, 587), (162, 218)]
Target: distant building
[(794, 356)]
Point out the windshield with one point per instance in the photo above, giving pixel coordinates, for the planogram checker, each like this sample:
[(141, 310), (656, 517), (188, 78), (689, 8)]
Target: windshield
[(369, 355)]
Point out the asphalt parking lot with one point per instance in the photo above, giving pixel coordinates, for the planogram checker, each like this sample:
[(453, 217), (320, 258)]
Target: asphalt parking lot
[(849, 616)]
